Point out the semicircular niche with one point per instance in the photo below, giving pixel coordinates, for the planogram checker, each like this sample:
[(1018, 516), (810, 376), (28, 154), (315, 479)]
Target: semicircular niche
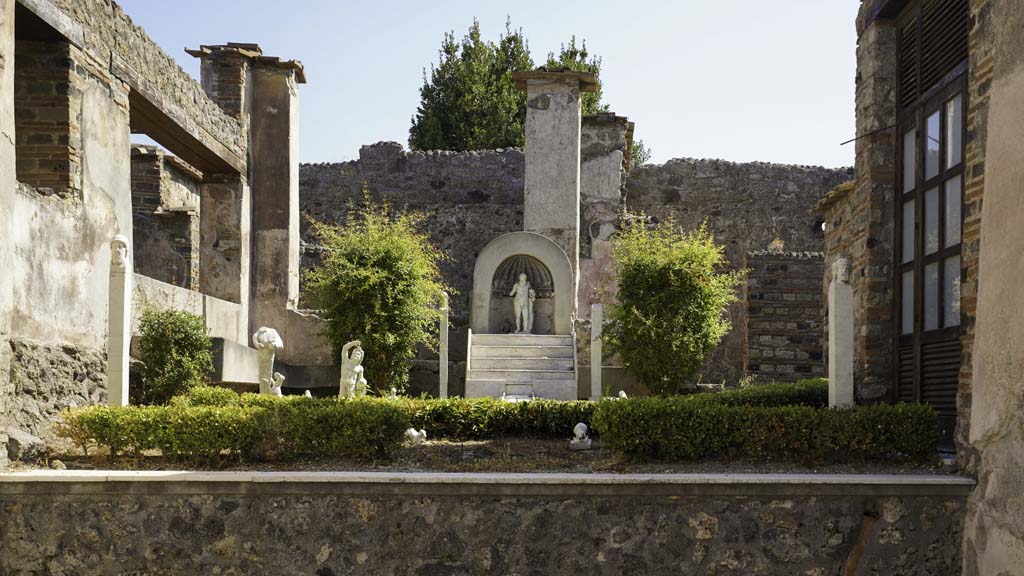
[(536, 272)]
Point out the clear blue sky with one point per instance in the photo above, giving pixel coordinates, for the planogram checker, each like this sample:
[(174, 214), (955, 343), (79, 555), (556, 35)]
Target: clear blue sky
[(741, 80)]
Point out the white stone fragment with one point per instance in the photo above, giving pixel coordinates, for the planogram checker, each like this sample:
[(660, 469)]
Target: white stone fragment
[(267, 342)]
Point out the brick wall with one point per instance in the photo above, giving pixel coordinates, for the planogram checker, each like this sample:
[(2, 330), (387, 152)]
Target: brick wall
[(785, 315), (47, 102)]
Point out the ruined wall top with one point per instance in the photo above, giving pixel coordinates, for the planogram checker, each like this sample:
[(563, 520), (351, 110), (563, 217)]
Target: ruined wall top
[(123, 50)]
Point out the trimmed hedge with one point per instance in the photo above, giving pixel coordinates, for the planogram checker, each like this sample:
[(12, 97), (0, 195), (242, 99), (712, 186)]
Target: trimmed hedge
[(811, 392), (688, 428), (482, 418), (260, 430)]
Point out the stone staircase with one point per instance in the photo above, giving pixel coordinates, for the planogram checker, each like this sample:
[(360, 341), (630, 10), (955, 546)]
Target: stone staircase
[(521, 367)]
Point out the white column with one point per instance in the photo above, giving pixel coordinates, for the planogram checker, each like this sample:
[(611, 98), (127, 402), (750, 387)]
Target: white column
[(119, 323), (840, 336), (596, 349), (443, 348)]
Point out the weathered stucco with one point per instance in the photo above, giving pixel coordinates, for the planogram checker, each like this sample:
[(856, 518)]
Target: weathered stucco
[(8, 184), (994, 530)]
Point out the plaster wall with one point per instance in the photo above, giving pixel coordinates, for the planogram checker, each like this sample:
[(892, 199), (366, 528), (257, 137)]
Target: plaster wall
[(8, 185), (994, 530)]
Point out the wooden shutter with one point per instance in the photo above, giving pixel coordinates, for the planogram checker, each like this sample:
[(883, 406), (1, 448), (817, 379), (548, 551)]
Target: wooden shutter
[(933, 40)]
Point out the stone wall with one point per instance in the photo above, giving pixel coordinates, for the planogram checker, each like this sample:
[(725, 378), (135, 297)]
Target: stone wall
[(749, 207), (48, 378), (785, 333), (461, 524), (165, 217), (470, 198)]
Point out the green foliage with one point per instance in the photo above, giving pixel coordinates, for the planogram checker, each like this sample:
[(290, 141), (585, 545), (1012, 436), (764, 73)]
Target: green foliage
[(811, 392), (687, 428), (672, 301), (482, 418), (378, 283), (175, 352), (639, 155), (268, 430), (578, 58), (469, 100)]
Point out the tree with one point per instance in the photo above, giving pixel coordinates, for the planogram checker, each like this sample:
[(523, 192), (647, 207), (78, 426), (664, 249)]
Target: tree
[(579, 59), (640, 154), (379, 282), (672, 301), (469, 100)]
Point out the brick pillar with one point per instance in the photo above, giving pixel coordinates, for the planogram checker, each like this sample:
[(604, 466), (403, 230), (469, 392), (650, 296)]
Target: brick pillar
[(8, 184), (872, 201)]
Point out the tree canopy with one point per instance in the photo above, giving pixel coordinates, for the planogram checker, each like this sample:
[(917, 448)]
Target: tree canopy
[(468, 100)]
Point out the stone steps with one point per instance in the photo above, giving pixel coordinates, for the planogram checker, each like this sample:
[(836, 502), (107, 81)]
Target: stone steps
[(519, 367)]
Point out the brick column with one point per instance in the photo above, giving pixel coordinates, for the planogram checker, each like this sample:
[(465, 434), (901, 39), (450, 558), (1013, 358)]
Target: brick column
[(872, 213)]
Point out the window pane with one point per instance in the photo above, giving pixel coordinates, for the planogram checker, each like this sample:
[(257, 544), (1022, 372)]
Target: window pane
[(931, 296), (953, 205), (907, 304), (909, 160), (954, 131), (931, 221), (931, 149), (951, 291), (908, 231)]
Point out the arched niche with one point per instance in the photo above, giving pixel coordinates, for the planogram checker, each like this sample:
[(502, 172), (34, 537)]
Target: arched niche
[(554, 268)]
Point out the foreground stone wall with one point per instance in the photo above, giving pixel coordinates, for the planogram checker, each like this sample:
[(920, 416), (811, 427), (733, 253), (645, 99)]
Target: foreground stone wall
[(477, 524), (785, 332)]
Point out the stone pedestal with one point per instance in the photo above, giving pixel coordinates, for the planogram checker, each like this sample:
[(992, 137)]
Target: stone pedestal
[(119, 321), (596, 349), (443, 349), (840, 336)]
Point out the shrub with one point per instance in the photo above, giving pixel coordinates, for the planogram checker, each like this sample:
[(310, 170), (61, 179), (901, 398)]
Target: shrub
[(672, 301), (690, 428), (175, 352), (275, 429), (378, 283), (810, 392), (482, 418)]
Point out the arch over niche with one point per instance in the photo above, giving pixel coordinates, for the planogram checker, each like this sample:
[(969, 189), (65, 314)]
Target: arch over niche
[(528, 244)]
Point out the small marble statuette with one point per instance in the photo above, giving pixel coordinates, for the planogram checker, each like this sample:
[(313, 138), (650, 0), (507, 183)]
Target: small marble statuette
[(394, 393), (267, 342), (580, 439), (353, 382), (523, 299), (622, 395), (415, 436), (308, 394), (276, 383), (119, 252)]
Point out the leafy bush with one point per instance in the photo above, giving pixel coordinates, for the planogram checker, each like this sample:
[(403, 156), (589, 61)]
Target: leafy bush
[(378, 283), (691, 428), (176, 354), (811, 392), (274, 429), (672, 301)]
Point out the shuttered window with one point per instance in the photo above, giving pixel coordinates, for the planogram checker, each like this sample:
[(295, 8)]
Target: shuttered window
[(932, 60)]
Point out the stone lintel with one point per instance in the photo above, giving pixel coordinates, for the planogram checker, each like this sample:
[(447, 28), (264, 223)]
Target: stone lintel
[(585, 80)]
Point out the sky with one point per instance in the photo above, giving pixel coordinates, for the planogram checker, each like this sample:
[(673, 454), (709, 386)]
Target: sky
[(741, 80)]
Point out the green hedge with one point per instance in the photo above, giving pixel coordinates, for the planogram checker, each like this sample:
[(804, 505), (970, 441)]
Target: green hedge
[(260, 430), (688, 428), (811, 392)]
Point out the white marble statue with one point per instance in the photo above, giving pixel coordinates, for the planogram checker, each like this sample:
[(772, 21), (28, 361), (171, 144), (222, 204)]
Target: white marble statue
[(276, 383), (267, 342), (841, 271), (580, 439), (523, 299), (415, 436), (308, 394), (119, 252), (622, 394), (353, 381)]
